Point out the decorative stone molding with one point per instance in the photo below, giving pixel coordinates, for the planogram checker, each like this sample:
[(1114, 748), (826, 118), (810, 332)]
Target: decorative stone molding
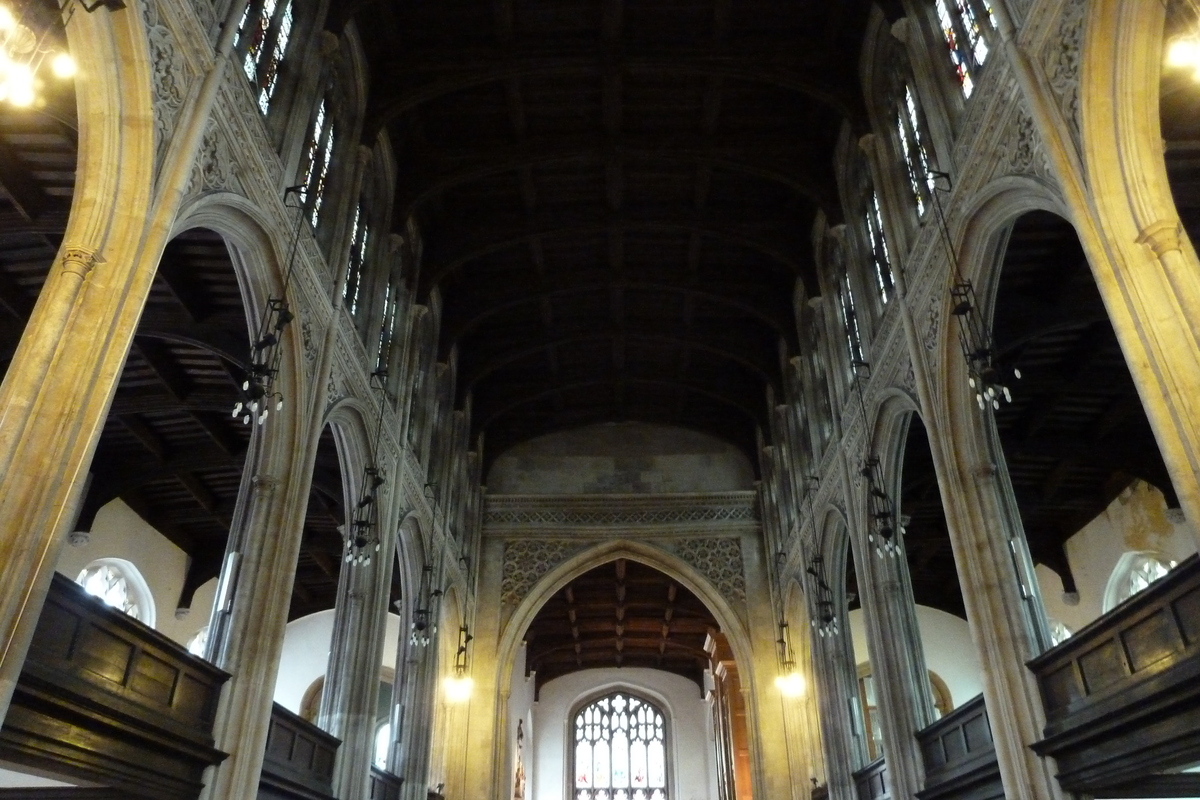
[(80, 261), (933, 318), (1161, 237), (309, 341), (168, 76), (531, 511), (215, 167), (719, 560), (1023, 153), (79, 538), (527, 561), (1062, 63)]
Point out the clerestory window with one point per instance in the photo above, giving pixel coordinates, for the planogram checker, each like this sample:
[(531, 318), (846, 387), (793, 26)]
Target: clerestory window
[(913, 151), (261, 41), (620, 750), (359, 239), (316, 163), (880, 258), (968, 49), (387, 329), (850, 319)]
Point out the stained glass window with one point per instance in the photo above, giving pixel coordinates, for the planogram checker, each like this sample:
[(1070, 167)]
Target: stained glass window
[(1134, 573), (262, 38), (968, 49), (316, 164), (620, 750), (912, 147), (880, 257), (359, 238)]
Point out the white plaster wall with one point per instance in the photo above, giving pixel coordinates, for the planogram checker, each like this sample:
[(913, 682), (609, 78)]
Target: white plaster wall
[(1135, 521), (691, 747), (305, 655), (624, 457), (520, 707), (118, 532), (949, 650)]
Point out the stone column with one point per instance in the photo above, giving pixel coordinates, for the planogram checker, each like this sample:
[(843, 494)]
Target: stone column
[(57, 389)]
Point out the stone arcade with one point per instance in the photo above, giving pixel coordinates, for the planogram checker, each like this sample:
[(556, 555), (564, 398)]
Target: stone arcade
[(600, 399)]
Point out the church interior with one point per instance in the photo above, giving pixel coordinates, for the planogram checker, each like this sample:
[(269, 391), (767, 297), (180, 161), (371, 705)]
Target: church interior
[(599, 399)]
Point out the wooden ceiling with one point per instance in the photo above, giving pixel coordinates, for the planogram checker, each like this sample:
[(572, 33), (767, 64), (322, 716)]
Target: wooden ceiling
[(616, 197), (620, 614)]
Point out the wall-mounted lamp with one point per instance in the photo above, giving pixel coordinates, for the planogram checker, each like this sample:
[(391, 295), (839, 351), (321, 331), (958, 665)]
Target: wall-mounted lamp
[(460, 684)]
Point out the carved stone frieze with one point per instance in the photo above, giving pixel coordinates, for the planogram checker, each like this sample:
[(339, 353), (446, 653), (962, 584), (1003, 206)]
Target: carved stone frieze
[(309, 341), (168, 74), (527, 561), (526, 512), (719, 560), (1062, 61), (1023, 153)]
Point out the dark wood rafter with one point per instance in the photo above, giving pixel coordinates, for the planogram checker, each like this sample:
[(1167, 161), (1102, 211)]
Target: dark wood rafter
[(621, 614)]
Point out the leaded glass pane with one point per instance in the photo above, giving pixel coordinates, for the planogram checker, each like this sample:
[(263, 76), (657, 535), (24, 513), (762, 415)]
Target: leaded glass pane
[(957, 56), (622, 741)]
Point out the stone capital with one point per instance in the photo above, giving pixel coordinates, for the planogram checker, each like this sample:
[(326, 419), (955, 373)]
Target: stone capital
[(866, 143), (79, 260), (1162, 237)]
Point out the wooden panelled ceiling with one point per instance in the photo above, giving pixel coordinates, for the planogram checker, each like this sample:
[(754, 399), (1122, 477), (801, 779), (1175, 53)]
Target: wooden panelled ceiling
[(616, 197), (620, 614)]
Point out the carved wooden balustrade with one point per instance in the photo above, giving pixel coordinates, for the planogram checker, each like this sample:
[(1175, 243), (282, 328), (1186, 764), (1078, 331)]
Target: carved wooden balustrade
[(384, 785), (960, 757), (871, 781), (298, 761), (106, 700), (1122, 696)]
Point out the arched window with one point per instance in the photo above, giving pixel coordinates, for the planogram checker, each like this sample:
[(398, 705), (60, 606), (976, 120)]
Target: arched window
[(317, 156), (1059, 633), (359, 239), (261, 41), (912, 149), (119, 584), (620, 750), (880, 258), (850, 320), (959, 21), (199, 642), (387, 328), (383, 743), (1133, 573)]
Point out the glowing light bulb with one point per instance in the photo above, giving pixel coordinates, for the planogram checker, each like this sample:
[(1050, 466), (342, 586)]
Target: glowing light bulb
[(458, 689), (791, 684), (1184, 52), (20, 85), (63, 65), (7, 20)]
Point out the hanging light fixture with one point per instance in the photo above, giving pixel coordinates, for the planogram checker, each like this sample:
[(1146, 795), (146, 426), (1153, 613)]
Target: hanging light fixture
[(825, 621), (987, 378), (1183, 51), (424, 624), (460, 684), (26, 55), (258, 393), (885, 531), (362, 539), (789, 681)]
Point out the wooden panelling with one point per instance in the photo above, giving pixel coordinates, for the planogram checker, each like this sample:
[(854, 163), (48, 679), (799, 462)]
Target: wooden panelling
[(384, 785), (1122, 696), (106, 699), (870, 782), (298, 761), (960, 758)]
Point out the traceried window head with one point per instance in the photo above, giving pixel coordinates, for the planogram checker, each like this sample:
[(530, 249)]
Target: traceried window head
[(120, 585), (359, 239), (1133, 574), (968, 49), (262, 39), (880, 258), (912, 149), (620, 750), (316, 163)]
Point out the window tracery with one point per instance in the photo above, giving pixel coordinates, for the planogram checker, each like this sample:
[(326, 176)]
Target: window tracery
[(387, 329), (119, 585), (880, 257), (620, 750), (912, 149), (1133, 574), (262, 38), (359, 239), (850, 319), (316, 163), (383, 743)]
